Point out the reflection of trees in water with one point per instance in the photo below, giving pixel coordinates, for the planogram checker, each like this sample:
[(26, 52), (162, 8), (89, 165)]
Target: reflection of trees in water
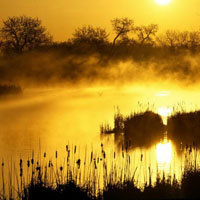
[(137, 130), (146, 128), (143, 129), (184, 128)]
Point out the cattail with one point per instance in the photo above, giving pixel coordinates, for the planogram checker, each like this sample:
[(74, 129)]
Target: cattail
[(78, 162), (66, 147), (45, 154), (20, 163), (2, 164), (56, 154), (75, 149), (126, 147), (21, 172), (61, 168), (68, 153), (141, 157), (32, 161), (95, 165), (104, 154), (190, 150), (38, 168), (114, 155), (91, 157), (28, 163), (49, 164)]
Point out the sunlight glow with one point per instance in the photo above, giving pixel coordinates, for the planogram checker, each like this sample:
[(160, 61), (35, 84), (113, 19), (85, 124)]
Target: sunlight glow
[(163, 94), (164, 152), (164, 111), (163, 2)]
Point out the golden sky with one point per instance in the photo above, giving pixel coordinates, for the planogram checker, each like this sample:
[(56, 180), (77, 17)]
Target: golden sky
[(61, 17)]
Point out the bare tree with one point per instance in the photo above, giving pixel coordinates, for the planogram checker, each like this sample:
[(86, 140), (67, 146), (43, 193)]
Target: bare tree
[(90, 35), (169, 38), (176, 39), (194, 39), (182, 39), (23, 33), (121, 26), (146, 33)]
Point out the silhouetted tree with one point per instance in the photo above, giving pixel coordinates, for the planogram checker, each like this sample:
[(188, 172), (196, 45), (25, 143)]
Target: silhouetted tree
[(169, 39), (121, 26), (23, 33), (146, 33), (194, 39), (184, 40), (90, 38), (90, 35)]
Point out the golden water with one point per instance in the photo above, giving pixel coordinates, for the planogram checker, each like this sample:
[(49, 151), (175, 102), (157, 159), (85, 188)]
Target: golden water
[(47, 120)]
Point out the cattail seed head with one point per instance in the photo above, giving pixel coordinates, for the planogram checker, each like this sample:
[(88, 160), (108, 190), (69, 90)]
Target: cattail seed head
[(104, 155), (28, 163), (68, 153), (20, 163), (56, 154), (78, 162), (91, 157), (49, 165), (21, 172)]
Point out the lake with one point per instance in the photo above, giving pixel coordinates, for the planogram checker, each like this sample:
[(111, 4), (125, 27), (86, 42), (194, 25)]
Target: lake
[(46, 120)]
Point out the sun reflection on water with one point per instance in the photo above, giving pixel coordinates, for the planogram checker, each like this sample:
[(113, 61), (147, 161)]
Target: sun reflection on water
[(164, 152)]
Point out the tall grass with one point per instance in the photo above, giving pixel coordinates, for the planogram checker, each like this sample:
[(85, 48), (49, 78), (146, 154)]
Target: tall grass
[(97, 176), (139, 129), (184, 127)]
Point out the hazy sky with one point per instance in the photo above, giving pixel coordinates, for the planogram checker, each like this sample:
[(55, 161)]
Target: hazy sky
[(61, 17)]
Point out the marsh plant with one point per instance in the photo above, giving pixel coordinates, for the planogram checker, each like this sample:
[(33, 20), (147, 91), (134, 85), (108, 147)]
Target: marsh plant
[(98, 176)]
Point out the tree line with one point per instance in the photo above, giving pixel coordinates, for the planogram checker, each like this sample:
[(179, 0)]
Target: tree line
[(22, 33)]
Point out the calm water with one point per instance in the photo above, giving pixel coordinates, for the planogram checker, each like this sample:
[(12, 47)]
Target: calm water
[(47, 120)]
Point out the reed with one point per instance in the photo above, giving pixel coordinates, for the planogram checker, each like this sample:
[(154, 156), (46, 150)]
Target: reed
[(97, 176)]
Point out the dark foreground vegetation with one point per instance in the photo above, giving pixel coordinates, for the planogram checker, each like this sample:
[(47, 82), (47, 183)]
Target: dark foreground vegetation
[(130, 53), (139, 129), (80, 179), (146, 128), (9, 90), (184, 127)]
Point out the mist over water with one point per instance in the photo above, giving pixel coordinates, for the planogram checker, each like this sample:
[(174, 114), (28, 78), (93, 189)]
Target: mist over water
[(65, 99), (54, 68), (52, 118)]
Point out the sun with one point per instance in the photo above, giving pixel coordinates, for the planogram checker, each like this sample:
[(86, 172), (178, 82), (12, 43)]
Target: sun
[(164, 152), (164, 111), (163, 2)]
